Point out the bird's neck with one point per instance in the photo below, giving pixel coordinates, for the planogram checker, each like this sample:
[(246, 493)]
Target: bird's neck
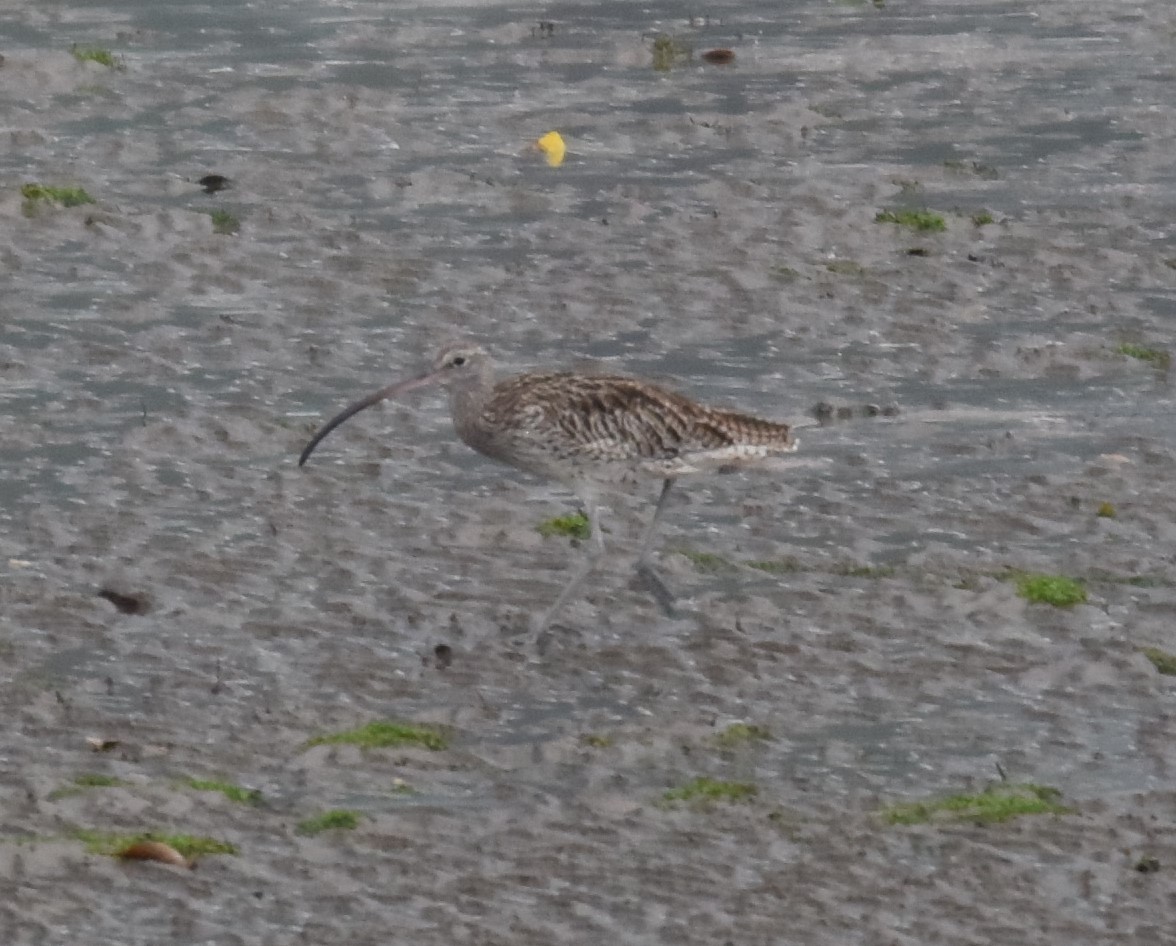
[(466, 402)]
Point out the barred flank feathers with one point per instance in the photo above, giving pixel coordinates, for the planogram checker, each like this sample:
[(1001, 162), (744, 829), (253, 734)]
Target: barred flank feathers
[(617, 420)]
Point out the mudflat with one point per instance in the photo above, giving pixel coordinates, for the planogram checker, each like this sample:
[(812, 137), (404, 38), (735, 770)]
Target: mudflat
[(962, 210)]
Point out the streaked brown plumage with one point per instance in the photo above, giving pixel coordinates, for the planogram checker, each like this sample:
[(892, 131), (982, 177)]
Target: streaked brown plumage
[(587, 431)]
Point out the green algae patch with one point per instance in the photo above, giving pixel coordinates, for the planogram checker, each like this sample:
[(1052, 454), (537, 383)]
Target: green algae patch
[(224, 222), (706, 561), (982, 218), (574, 526), (995, 804), (1056, 590), (594, 740), (1163, 661), (117, 845), (1106, 510), (335, 819), (669, 51), (104, 57), (243, 796), (1156, 357), (384, 734), (778, 566), (848, 570), (704, 792), (1137, 581), (1148, 864), (35, 194), (84, 782), (740, 734), (846, 267), (921, 221)]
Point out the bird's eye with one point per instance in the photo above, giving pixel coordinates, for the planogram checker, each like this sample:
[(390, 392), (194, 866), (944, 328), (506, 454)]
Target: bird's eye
[(457, 361)]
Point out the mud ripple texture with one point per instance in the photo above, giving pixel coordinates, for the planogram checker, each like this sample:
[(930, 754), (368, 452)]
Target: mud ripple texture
[(172, 583)]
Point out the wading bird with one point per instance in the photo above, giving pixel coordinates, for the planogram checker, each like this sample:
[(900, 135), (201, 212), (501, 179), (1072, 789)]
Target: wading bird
[(588, 432)]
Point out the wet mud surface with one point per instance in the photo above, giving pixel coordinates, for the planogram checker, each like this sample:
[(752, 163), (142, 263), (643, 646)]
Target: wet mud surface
[(172, 582)]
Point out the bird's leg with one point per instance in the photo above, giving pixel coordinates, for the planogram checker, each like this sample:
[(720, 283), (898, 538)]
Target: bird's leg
[(595, 551), (645, 571)]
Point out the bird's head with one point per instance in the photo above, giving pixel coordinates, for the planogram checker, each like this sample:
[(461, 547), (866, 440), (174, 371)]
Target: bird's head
[(459, 364)]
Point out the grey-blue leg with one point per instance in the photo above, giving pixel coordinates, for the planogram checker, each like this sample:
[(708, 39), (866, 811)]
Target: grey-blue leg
[(645, 571)]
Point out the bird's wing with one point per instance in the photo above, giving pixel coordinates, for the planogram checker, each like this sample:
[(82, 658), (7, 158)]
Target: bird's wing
[(572, 418), (597, 418)]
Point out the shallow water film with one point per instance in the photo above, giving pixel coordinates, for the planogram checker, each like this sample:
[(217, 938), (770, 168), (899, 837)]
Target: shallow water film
[(919, 683)]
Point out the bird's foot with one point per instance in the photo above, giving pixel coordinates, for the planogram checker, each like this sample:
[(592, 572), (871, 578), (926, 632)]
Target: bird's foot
[(538, 626), (655, 586), (545, 632), (542, 625)]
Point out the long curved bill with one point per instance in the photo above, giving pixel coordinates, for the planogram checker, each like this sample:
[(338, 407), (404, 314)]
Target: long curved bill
[(392, 390)]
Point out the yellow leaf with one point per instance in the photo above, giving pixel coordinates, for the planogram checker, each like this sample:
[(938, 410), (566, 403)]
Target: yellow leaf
[(552, 145)]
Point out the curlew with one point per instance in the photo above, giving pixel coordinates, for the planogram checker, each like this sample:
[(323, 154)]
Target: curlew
[(588, 432)]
